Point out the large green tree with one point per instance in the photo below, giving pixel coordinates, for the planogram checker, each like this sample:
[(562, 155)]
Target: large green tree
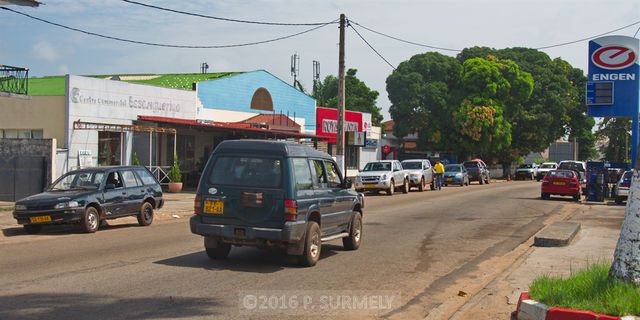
[(424, 92), (556, 107), (494, 91), (358, 97), (466, 108), (616, 131)]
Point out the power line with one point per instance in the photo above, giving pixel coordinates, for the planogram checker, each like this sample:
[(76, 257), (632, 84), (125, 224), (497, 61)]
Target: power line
[(370, 46), (589, 38), (457, 50), (224, 19), (635, 34), (405, 41), (169, 45)]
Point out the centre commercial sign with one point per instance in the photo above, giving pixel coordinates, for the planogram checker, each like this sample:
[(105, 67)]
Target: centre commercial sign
[(614, 77)]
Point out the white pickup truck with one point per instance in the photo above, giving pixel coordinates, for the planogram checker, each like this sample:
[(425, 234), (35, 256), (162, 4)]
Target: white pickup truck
[(384, 175)]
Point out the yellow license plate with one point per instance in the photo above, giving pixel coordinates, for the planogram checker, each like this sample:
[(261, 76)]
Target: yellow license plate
[(40, 219), (449, 179), (216, 207), (560, 183), (369, 185)]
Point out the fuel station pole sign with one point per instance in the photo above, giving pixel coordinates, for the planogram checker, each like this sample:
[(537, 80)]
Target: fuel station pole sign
[(614, 80)]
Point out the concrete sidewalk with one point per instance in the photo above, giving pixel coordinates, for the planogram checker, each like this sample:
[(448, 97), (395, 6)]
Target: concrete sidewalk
[(595, 242)]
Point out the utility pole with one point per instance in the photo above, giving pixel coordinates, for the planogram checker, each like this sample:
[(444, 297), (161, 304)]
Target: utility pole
[(295, 59), (341, 89)]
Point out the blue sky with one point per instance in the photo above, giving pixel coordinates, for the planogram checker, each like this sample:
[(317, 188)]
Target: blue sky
[(456, 24)]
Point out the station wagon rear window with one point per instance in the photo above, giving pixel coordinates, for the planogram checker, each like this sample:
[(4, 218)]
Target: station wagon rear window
[(246, 171)]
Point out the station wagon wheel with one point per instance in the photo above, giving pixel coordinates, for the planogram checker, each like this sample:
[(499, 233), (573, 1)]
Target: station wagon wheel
[(90, 220), (392, 188), (405, 187), (312, 245), (352, 242), (32, 228), (145, 217)]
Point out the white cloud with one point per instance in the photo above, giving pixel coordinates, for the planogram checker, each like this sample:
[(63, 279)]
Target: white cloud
[(44, 50), (63, 69)]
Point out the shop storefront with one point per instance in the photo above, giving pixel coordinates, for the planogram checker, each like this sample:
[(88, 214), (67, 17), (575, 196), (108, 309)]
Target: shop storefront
[(356, 154), (101, 121)]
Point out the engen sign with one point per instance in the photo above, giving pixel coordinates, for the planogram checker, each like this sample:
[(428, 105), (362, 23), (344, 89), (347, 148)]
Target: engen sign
[(612, 87)]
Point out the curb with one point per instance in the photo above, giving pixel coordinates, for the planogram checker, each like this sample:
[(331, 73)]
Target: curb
[(529, 309)]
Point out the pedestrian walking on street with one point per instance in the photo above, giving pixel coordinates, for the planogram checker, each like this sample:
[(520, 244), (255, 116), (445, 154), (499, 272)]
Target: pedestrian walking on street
[(439, 168)]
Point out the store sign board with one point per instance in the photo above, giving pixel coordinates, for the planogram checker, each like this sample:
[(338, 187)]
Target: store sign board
[(614, 77), (327, 122), (102, 100)]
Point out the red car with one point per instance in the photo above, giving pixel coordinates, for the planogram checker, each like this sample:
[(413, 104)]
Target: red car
[(562, 183)]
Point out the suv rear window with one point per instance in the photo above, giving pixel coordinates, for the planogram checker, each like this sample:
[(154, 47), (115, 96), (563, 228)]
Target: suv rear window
[(470, 164), (412, 165), (246, 171), (571, 166)]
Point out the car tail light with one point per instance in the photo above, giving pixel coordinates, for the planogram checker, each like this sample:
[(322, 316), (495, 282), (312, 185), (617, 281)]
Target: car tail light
[(197, 205), (545, 181), (290, 210), (625, 184)]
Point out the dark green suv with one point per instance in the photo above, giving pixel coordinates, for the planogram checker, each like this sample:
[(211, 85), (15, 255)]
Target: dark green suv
[(268, 193)]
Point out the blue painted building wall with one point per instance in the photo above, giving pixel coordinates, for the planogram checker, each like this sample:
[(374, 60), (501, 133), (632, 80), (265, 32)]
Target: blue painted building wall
[(234, 94)]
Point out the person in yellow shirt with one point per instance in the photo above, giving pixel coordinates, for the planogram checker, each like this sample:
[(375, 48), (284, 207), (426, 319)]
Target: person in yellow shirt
[(439, 168)]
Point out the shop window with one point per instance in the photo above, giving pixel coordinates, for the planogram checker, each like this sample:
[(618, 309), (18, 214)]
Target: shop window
[(351, 157), (261, 100), (109, 148), (21, 133), (185, 149)]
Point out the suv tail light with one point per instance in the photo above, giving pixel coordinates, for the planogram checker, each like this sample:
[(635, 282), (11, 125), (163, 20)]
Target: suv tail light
[(197, 205), (625, 184), (290, 210)]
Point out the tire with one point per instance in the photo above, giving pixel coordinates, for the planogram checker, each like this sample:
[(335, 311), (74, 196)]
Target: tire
[(422, 185), (32, 228), (352, 242), (392, 188), (544, 196), (576, 196), (219, 252), (91, 220), (312, 245), (618, 201), (145, 217), (405, 188)]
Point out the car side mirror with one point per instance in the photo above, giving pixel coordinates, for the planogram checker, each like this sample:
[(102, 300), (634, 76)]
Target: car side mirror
[(347, 183), (109, 186)]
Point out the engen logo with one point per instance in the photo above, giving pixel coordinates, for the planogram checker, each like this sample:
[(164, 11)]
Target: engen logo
[(614, 57)]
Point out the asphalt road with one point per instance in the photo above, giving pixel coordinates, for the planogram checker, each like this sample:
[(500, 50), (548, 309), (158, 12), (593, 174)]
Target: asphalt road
[(416, 249)]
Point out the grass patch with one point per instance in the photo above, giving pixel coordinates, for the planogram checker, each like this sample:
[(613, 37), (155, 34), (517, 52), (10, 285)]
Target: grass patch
[(590, 289)]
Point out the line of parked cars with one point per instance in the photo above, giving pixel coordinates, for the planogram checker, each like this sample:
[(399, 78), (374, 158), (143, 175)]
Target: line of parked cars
[(569, 178), (391, 176)]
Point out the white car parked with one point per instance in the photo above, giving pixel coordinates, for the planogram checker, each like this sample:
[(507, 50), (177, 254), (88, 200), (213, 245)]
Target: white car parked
[(420, 173), (384, 175)]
